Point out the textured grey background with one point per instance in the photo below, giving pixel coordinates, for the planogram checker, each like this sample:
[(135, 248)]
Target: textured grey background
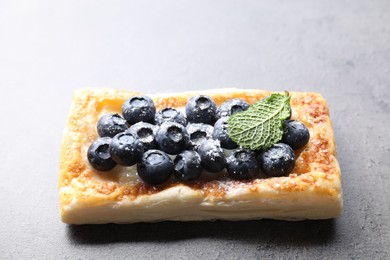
[(48, 49)]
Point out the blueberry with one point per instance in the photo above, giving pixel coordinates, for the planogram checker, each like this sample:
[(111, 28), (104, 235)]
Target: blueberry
[(198, 133), (126, 149), (188, 166), (99, 155), (279, 160), (201, 109), (170, 115), (221, 133), (212, 156), (139, 108), (111, 125), (296, 134), (231, 106), (146, 133), (155, 167), (172, 138), (242, 164)]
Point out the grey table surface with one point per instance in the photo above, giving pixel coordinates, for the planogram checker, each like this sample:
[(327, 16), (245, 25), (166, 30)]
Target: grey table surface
[(48, 49)]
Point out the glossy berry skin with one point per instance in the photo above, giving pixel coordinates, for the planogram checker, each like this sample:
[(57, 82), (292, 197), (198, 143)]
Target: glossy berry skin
[(146, 133), (139, 108), (172, 138), (279, 160), (198, 133), (111, 125), (99, 155), (155, 167), (242, 164), (126, 149), (188, 166), (231, 106), (170, 115), (212, 156), (296, 134), (201, 109), (221, 133)]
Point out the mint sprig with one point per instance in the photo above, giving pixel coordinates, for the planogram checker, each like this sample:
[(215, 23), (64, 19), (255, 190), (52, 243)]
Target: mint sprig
[(260, 126)]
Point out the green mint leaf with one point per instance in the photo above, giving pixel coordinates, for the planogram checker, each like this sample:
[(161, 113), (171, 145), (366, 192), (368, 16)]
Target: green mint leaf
[(260, 126)]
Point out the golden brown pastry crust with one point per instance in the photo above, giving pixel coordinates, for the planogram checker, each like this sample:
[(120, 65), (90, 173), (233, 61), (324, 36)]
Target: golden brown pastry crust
[(311, 191)]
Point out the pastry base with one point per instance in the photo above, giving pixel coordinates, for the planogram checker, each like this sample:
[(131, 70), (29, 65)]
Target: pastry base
[(311, 191)]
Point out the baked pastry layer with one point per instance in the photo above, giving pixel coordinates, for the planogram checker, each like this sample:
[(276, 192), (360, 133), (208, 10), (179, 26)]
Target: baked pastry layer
[(311, 191)]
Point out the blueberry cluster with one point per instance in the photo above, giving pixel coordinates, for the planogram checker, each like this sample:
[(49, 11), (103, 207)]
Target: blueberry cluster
[(197, 141)]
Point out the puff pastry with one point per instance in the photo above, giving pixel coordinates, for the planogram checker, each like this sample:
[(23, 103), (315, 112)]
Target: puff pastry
[(311, 191)]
